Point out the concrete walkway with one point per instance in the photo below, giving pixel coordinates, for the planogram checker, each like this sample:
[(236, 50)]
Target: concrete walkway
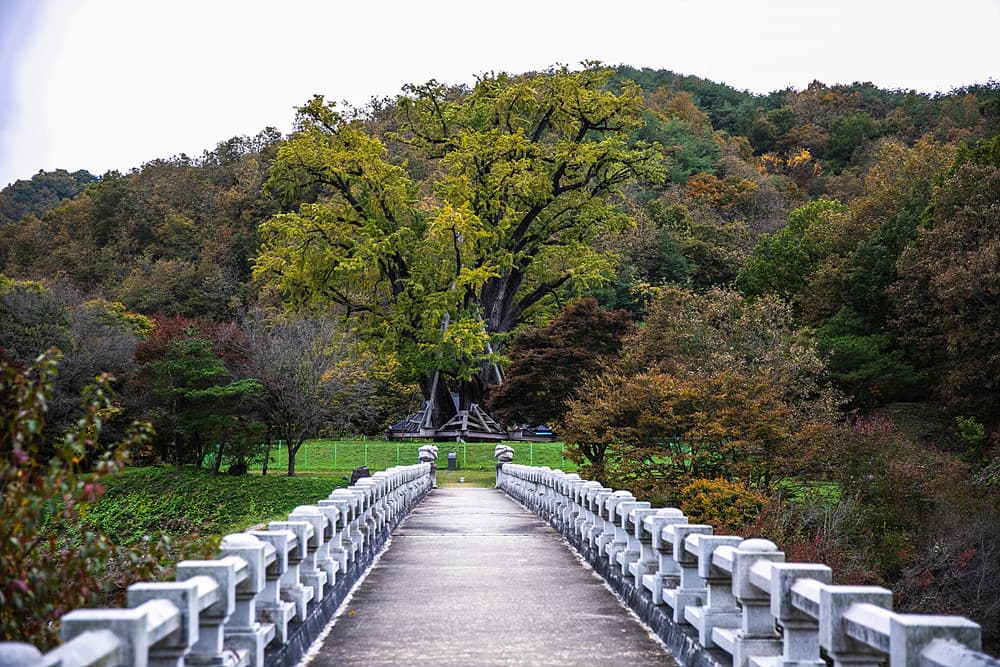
[(471, 578)]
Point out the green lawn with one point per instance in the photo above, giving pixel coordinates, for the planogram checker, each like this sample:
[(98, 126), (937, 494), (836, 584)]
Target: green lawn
[(466, 478), (378, 454)]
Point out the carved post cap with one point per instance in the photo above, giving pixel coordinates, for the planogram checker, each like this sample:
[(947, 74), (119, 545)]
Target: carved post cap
[(183, 595), (346, 507), (909, 634), (834, 602), (311, 515), (783, 579), (363, 495), (352, 499), (136, 629), (332, 512), (611, 503), (254, 552), (677, 534), (503, 453), (716, 554), (669, 511), (18, 654), (660, 519), (302, 530), (749, 552), (283, 541), (757, 545), (96, 647), (226, 572), (638, 518)]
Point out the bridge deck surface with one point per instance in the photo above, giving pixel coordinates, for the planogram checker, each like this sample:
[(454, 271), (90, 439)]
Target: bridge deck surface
[(471, 578)]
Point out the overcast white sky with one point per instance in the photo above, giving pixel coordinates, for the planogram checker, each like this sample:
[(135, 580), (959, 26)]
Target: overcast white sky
[(110, 84)]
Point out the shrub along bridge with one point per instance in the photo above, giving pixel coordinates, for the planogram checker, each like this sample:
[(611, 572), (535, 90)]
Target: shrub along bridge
[(473, 578)]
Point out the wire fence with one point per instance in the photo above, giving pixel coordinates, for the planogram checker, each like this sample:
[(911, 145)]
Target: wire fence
[(353, 453)]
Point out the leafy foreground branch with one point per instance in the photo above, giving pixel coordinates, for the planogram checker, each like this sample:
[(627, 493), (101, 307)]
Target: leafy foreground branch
[(82, 518), (43, 573)]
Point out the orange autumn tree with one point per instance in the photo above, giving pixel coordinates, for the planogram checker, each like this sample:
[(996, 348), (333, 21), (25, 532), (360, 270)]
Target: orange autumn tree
[(711, 387)]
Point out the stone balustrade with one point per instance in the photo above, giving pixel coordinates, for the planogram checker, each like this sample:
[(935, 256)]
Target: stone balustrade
[(264, 601), (722, 600)]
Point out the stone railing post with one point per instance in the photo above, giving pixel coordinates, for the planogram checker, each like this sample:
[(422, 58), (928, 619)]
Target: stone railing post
[(152, 633), (363, 528), (834, 603), (347, 503), (534, 477), (595, 526), (554, 485), (800, 641), (218, 604), (757, 635), (333, 547), (585, 518), (562, 510), (690, 589), (292, 586), (243, 630), (663, 572), (374, 516), (613, 538), (570, 508), (503, 454), (715, 566), (270, 607), (645, 561), (626, 554), (312, 570), (184, 596), (548, 494), (391, 505), (335, 512), (428, 454), (376, 510)]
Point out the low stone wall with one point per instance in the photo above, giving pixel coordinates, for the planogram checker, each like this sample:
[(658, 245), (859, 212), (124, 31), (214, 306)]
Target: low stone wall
[(264, 601), (721, 600)]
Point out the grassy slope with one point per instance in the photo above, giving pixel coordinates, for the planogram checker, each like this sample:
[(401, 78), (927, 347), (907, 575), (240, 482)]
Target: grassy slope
[(188, 502)]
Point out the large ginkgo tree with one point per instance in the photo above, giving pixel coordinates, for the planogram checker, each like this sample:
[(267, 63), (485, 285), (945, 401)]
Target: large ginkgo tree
[(440, 237)]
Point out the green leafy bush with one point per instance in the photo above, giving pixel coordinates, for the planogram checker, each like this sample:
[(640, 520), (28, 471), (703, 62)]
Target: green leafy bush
[(43, 574)]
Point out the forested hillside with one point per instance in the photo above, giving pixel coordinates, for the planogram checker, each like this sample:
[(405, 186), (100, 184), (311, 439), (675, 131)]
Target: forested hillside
[(45, 190), (780, 311)]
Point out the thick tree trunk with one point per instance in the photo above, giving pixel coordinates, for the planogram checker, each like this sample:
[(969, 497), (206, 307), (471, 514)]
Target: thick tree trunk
[(293, 450), (267, 453), (442, 404), (223, 437)]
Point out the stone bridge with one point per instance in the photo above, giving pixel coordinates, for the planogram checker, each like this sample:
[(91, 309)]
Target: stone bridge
[(571, 573)]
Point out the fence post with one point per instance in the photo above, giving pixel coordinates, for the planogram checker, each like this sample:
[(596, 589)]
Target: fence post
[(335, 445), (366, 454)]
